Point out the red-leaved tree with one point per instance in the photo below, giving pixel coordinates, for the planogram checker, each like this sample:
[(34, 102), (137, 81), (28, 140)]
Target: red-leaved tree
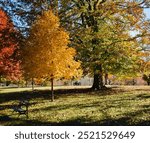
[(9, 65)]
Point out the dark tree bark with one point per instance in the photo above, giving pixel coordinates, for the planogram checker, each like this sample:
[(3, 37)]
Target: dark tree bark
[(98, 78), (106, 78), (96, 82), (32, 82), (146, 78), (0, 79), (18, 83), (52, 89), (26, 83), (133, 82)]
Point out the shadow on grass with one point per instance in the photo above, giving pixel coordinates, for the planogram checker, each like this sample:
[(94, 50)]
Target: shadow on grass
[(5, 97), (5, 118), (143, 96), (128, 119), (79, 121)]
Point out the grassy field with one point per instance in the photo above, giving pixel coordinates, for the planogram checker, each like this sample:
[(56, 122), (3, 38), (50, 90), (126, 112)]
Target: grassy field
[(15, 89), (124, 105)]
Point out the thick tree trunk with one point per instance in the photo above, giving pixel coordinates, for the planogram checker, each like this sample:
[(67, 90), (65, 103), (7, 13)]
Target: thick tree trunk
[(96, 82), (98, 78), (52, 89)]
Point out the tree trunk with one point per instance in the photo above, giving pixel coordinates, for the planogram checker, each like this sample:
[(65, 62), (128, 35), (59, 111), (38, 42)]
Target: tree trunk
[(0, 79), (32, 82), (7, 83), (96, 82), (52, 89), (148, 80), (18, 83), (133, 81), (26, 83), (98, 78), (106, 78)]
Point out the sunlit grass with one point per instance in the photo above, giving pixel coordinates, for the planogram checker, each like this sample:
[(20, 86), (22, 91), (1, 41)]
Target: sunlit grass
[(120, 106)]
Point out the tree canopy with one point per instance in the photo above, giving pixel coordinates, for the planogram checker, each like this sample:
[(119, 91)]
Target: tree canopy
[(102, 34), (9, 65), (46, 53), (109, 36)]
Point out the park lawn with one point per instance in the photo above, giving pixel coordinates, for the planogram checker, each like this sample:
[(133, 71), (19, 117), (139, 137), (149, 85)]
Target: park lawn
[(15, 89), (117, 106)]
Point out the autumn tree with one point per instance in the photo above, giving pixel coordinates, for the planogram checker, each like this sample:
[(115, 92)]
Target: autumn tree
[(100, 30), (101, 33), (25, 11), (146, 78), (9, 64), (46, 53), (144, 65)]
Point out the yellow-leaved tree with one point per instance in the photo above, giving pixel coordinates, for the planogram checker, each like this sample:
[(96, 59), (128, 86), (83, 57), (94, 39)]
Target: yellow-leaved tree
[(46, 53)]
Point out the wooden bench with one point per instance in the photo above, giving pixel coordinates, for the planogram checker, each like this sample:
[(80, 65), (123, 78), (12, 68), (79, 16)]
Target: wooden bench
[(20, 108)]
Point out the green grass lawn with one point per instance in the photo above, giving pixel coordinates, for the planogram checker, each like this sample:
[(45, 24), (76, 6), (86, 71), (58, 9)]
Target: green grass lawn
[(14, 89), (117, 106)]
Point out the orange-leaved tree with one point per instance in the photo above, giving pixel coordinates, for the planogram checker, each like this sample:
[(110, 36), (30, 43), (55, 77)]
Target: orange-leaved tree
[(9, 64), (46, 53)]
